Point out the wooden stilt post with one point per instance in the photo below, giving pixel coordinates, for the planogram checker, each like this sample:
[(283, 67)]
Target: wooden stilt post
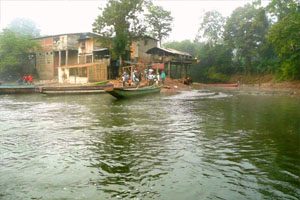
[(169, 69)]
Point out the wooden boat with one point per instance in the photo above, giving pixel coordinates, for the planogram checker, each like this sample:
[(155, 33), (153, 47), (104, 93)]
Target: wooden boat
[(18, 89), (87, 89), (121, 93)]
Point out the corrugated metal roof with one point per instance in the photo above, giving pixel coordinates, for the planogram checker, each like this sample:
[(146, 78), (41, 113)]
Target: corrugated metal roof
[(87, 34), (159, 50), (101, 49)]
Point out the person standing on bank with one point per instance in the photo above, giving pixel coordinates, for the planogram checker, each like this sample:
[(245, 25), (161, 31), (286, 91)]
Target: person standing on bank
[(163, 77)]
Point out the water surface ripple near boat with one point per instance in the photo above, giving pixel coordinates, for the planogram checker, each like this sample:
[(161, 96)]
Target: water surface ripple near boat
[(162, 147)]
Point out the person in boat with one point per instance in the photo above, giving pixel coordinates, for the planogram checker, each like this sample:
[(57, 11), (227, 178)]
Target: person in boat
[(140, 76), (24, 78), (125, 78), (135, 78), (29, 79), (146, 74), (151, 77), (19, 81), (157, 78)]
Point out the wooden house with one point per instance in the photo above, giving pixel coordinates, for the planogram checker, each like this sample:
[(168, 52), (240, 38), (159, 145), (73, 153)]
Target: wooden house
[(139, 47), (175, 63), (72, 58), (81, 58)]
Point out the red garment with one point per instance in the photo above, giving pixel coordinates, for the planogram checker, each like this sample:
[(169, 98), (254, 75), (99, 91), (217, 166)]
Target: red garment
[(29, 79)]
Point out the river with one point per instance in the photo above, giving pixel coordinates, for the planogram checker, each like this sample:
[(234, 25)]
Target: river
[(192, 145)]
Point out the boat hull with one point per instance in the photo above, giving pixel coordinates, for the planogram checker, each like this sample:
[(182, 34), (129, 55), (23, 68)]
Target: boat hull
[(18, 89), (122, 93), (75, 89)]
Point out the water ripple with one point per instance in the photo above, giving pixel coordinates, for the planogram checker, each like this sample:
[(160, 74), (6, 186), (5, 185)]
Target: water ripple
[(193, 145)]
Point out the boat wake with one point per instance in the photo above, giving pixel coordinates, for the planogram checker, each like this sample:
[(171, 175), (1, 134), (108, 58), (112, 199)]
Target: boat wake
[(198, 94)]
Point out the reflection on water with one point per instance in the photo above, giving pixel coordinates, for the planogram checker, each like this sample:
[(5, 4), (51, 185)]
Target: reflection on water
[(192, 145)]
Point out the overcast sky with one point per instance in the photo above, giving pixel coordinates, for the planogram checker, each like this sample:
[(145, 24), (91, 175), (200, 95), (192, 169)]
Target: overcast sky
[(70, 16)]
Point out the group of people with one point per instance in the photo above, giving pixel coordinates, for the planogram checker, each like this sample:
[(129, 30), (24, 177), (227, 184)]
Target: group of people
[(155, 77), (26, 79), (148, 75)]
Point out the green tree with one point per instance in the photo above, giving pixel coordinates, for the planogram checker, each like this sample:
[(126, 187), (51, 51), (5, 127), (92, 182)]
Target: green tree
[(160, 22), (285, 37), (245, 33), (119, 21), (15, 52), (185, 45), (211, 28), (281, 8), (215, 63), (24, 27)]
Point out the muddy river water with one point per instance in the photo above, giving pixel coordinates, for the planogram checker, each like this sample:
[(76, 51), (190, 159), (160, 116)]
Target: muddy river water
[(193, 145)]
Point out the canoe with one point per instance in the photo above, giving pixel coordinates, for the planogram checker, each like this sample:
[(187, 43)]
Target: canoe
[(18, 89), (121, 93), (87, 89)]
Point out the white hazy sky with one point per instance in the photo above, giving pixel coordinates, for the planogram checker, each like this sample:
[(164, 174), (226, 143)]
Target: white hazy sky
[(70, 16)]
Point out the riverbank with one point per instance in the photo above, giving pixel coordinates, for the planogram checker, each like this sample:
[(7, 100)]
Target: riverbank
[(238, 83), (270, 86)]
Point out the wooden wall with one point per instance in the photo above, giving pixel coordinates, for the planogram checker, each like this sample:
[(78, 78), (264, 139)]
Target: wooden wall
[(97, 72)]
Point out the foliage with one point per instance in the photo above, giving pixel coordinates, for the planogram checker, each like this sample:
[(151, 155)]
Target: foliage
[(281, 8), (25, 27), (212, 27), (216, 60), (186, 46), (214, 76), (119, 19), (159, 21), (284, 36), (15, 52), (245, 32), (255, 40)]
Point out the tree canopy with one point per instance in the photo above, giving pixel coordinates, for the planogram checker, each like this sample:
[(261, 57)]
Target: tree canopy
[(15, 52), (285, 38), (119, 21), (245, 32), (282, 8), (253, 39), (123, 20), (24, 26), (211, 28), (160, 22)]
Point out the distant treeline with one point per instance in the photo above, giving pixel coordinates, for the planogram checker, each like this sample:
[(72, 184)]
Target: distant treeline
[(253, 40)]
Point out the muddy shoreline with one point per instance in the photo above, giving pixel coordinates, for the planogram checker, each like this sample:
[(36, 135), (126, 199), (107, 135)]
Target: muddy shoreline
[(176, 85), (284, 88)]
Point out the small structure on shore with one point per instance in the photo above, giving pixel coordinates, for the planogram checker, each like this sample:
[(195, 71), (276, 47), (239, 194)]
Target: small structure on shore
[(178, 63)]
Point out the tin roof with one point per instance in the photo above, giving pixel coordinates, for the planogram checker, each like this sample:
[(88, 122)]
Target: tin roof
[(83, 35), (166, 51)]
